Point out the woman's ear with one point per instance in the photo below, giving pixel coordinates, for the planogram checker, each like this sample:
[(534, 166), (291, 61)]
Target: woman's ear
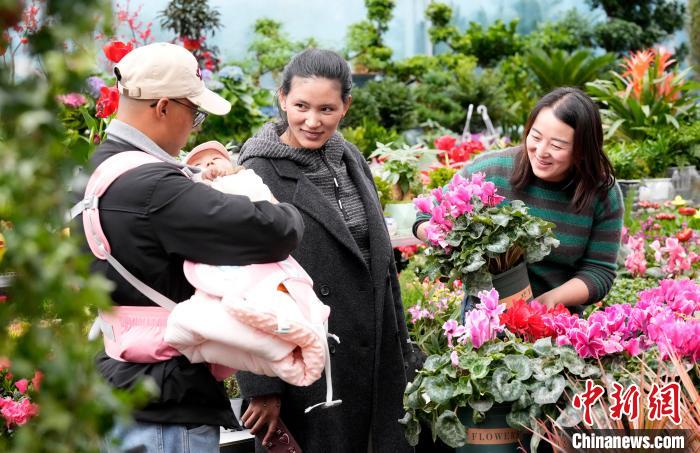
[(282, 99), (346, 104)]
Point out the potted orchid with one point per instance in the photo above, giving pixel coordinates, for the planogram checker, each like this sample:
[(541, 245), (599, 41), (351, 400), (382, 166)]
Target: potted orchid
[(499, 373), (474, 235)]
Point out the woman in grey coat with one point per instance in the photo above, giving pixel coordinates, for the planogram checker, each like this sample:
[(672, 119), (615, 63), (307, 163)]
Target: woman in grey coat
[(347, 252)]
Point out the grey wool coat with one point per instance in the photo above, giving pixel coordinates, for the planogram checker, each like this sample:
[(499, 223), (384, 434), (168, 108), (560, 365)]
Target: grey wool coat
[(368, 367)]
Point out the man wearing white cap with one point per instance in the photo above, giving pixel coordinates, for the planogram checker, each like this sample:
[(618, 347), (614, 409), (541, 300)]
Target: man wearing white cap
[(154, 218)]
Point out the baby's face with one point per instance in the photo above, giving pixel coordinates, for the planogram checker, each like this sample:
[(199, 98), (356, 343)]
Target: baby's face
[(211, 158)]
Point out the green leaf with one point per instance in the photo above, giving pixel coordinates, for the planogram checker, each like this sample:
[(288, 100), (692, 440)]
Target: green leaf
[(569, 417), (504, 388), (501, 219), (435, 362), (481, 405), (439, 389), (543, 346), (572, 361), (413, 400), (412, 429), (475, 261), (451, 430), (413, 386), (518, 420), (464, 386), (499, 244), (550, 391), (520, 365), (480, 367)]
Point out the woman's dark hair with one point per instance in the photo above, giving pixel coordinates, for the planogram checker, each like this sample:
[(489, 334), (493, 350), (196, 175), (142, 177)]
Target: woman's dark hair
[(592, 173), (318, 63)]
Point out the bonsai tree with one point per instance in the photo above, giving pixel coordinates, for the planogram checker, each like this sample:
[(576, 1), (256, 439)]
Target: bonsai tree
[(365, 45)]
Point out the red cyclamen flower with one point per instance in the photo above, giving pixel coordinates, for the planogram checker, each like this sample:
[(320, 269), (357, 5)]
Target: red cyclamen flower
[(108, 102)]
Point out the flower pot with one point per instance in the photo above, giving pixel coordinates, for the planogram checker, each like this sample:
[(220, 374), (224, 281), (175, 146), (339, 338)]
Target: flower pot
[(629, 188), (656, 189), (493, 435), (404, 215), (513, 284)]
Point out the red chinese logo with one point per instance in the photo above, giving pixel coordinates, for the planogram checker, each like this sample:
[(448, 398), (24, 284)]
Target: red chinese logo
[(587, 399), (664, 402), (625, 403)]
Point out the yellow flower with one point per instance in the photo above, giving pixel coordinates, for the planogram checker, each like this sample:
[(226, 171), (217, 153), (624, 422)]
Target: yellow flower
[(679, 201), (17, 328)]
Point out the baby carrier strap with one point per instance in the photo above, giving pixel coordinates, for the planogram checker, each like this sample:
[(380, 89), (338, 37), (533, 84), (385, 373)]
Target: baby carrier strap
[(103, 176)]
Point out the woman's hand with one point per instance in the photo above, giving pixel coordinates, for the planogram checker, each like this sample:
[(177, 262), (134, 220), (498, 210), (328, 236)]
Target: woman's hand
[(263, 410), (420, 231)]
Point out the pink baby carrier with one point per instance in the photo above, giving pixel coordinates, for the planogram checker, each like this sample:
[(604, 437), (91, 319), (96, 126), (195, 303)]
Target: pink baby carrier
[(263, 318)]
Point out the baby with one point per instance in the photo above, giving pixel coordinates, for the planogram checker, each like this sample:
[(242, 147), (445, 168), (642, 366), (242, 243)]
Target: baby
[(219, 172)]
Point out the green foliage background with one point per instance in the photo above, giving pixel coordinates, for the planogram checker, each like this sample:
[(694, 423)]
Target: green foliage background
[(52, 290)]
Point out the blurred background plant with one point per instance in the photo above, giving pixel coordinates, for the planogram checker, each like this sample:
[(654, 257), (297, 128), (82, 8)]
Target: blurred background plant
[(365, 46), (192, 22), (647, 94), (47, 310)]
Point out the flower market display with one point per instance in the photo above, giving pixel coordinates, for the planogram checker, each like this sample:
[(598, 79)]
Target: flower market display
[(473, 235), (483, 359)]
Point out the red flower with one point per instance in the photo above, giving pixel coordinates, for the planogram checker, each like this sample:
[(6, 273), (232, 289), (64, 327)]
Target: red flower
[(686, 211), (445, 143), (527, 319), (665, 216), (108, 102), (191, 44), (684, 235), (115, 50)]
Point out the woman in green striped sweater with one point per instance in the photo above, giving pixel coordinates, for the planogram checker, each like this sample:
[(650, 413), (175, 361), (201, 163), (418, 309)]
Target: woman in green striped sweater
[(563, 176)]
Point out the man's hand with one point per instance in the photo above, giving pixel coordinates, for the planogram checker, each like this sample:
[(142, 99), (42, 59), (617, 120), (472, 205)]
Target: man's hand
[(263, 410)]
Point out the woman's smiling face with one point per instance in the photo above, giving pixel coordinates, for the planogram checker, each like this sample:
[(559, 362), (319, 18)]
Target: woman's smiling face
[(314, 108), (550, 147)]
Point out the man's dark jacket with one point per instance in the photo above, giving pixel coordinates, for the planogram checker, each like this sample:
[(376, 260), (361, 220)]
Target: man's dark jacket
[(155, 218)]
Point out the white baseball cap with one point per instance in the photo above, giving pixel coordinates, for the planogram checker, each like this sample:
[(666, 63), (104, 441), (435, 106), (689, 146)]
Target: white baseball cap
[(164, 70)]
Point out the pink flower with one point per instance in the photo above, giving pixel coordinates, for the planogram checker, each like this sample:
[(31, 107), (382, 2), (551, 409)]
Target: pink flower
[(18, 412), (22, 385), (454, 358), (73, 100), (36, 380), (423, 204)]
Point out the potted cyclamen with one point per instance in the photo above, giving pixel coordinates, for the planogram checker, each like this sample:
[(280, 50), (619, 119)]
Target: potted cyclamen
[(498, 375), (475, 236)]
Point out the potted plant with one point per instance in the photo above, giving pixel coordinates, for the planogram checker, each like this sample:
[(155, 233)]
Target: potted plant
[(476, 237), (399, 168), (492, 381)]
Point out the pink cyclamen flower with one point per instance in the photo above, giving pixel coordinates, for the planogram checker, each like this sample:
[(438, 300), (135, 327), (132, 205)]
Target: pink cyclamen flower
[(454, 358), (423, 204)]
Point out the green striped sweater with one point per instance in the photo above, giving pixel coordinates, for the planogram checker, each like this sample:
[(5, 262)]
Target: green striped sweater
[(589, 241)]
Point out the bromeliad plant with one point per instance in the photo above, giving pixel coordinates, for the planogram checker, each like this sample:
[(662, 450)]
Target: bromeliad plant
[(645, 96), (486, 364), (472, 235)]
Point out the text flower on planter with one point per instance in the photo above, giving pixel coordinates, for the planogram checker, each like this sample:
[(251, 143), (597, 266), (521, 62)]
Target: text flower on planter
[(473, 234)]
